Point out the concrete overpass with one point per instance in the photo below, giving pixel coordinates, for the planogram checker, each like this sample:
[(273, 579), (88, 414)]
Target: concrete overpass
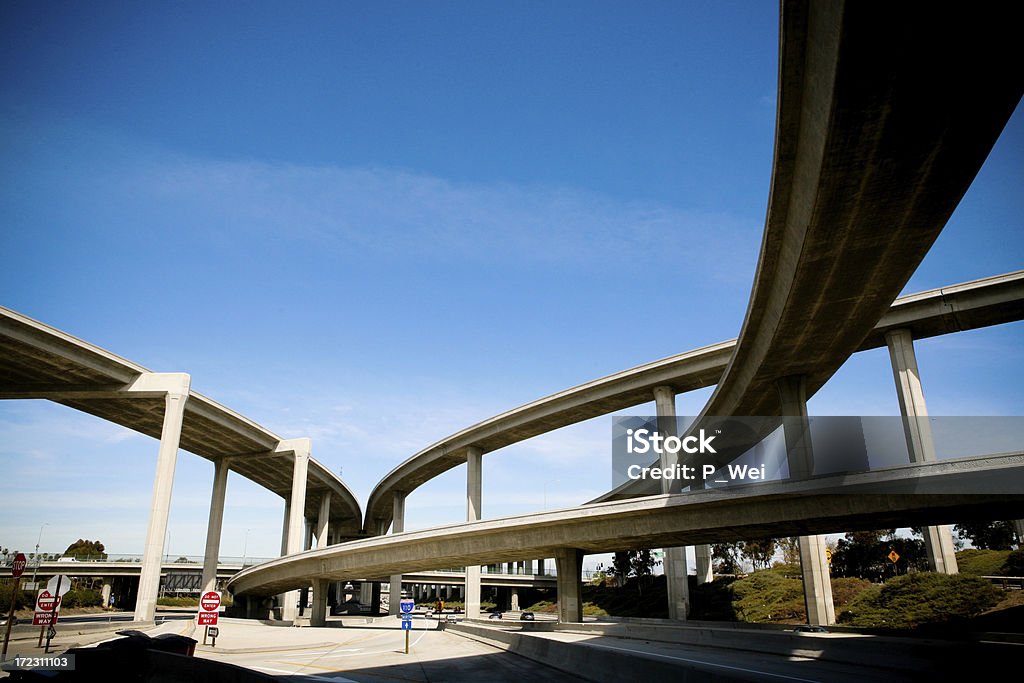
[(883, 123), (40, 362), (937, 492)]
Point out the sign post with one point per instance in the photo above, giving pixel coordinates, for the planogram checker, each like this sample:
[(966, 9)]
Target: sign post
[(407, 605), (209, 609), (48, 606), (17, 569)]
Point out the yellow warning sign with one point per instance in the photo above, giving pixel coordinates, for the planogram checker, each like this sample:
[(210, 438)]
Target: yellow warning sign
[(828, 555), (893, 556)]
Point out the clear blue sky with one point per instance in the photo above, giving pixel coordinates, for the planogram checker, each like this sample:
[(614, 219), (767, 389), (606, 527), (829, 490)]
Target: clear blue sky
[(376, 223)]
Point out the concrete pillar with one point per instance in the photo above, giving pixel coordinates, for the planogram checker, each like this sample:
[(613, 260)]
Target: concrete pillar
[(213, 529), (817, 583), (318, 613), (675, 558), (813, 563), (938, 540), (474, 489), (515, 600), (705, 573), (569, 563), (284, 525), (302, 449), (175, 389), (323, 529), (397, 527), (105, 594), (1018, 527), (365, 593)]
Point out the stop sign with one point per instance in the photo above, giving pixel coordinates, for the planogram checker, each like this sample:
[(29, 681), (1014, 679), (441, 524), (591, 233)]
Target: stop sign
[(18, 568), (210, 601)]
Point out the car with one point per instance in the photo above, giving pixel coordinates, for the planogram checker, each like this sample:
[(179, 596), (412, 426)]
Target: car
[(527, 616), (810, 629), (494, 614)]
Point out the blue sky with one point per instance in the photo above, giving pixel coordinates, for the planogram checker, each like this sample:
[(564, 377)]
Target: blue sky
[(377, 223)]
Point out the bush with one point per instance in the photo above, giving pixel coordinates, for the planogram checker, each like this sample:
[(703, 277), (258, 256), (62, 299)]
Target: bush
[(770, 595), (23, 600), (925, 598), (177, 602), (82, 598), (982, 562)]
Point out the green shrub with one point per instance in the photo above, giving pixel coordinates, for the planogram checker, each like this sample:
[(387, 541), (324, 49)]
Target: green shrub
[(23, 600), (769, 595), (167, 601), (82, 598), (925, 598), (982, 562)]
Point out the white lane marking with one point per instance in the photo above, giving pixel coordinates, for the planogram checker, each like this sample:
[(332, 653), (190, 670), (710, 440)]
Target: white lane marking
[(700, 661), (333, 679)]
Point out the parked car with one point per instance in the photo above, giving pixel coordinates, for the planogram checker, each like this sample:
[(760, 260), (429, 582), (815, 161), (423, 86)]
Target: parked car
[(810, 629), (527, 616)]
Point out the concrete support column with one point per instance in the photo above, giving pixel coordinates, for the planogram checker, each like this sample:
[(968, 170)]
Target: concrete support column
[(817, 583), (323, 529), (705, 573), (397, 527), (474, 490), (938, 540), (105, 594), (365, 593), (569, 563), (175, 388), (302, 450), (213, 529), (515, 600), (675, 558), (284, 525), (813, 563), (318, 613)]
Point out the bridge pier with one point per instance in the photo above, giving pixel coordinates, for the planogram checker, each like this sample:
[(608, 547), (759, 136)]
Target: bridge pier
[(474, 489), (294, 512), (938, 540), (397, 527), (569, 563), (318, 613), (821, 610), (216, 523), (675, 561), (175, 389)]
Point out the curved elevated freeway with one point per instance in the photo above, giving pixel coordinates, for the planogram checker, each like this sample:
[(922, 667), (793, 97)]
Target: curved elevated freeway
[(40, 362), (883, 123)]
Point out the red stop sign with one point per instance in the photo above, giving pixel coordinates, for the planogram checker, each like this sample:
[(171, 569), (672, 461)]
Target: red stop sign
[(210, 602), (18, 568), (46, 602)]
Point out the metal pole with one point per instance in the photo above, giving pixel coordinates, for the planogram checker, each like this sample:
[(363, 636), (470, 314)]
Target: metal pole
[(10, 617), (53, 621), (38, 559)]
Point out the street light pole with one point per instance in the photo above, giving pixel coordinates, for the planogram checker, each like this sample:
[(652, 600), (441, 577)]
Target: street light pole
[(35, 569), (245, 546)]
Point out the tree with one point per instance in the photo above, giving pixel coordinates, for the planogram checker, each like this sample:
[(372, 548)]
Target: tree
[(727, 557), (866, 555), (84, 549), (790, 547), (987, 535), (759, 552)]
